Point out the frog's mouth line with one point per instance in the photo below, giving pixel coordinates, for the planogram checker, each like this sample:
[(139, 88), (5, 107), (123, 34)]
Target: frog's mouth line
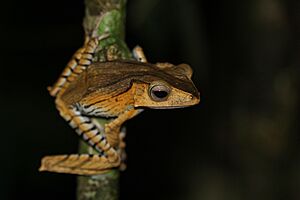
[(164, 107)]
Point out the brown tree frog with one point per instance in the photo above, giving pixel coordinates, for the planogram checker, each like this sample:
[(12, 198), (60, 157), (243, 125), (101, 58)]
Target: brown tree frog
[(118, 89)]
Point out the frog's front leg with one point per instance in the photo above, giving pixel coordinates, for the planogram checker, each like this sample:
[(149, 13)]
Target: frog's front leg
[(115, 136), (112, 129)]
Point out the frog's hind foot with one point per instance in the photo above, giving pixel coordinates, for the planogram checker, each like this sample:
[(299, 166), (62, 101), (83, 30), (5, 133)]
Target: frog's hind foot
[(83, 164)]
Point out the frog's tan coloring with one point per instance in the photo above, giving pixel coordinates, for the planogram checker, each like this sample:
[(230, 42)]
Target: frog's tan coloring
[(118, 90)]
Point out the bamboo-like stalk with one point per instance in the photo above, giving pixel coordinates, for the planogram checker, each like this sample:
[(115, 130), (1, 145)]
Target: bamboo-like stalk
[(103, 17)]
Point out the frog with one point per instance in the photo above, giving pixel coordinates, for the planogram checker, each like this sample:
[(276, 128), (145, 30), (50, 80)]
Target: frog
[(117, 90)]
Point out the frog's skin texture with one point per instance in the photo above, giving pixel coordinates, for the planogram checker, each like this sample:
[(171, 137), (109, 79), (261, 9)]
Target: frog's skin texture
[(118, 89)]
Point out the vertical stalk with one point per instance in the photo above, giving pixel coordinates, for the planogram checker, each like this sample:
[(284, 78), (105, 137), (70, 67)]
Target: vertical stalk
[(103, 17)]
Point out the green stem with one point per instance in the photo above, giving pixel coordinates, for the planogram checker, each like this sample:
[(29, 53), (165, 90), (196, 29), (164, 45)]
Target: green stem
[(103, 17)]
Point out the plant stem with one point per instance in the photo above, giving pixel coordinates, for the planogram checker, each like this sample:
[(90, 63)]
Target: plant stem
[(103, 17)]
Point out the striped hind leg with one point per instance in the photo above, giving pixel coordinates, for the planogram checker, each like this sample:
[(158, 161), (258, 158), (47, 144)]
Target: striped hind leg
[(79, 62), (72, 64), (78, 164), (87, 130)]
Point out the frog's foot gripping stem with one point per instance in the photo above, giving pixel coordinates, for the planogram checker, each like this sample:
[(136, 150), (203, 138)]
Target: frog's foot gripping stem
[(138, 54), (83, 164)]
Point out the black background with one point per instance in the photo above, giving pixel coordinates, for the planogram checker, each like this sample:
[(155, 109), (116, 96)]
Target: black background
[(241, 142)]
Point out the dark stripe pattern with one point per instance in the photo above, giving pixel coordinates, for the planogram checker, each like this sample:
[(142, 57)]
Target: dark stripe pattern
[(86, 129), (79, 62)]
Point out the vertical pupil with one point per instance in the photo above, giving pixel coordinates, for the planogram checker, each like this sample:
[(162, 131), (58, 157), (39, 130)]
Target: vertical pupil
[(160, 93)]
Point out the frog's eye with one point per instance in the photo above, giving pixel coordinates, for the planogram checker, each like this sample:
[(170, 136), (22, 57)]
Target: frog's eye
[(159, 92)]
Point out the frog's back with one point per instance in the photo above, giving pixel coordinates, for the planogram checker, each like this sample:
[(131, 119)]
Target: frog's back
[(105, 78), (102, 75), (115, 77)]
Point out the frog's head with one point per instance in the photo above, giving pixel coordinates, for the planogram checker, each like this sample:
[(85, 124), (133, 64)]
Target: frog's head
[(169, 87)]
